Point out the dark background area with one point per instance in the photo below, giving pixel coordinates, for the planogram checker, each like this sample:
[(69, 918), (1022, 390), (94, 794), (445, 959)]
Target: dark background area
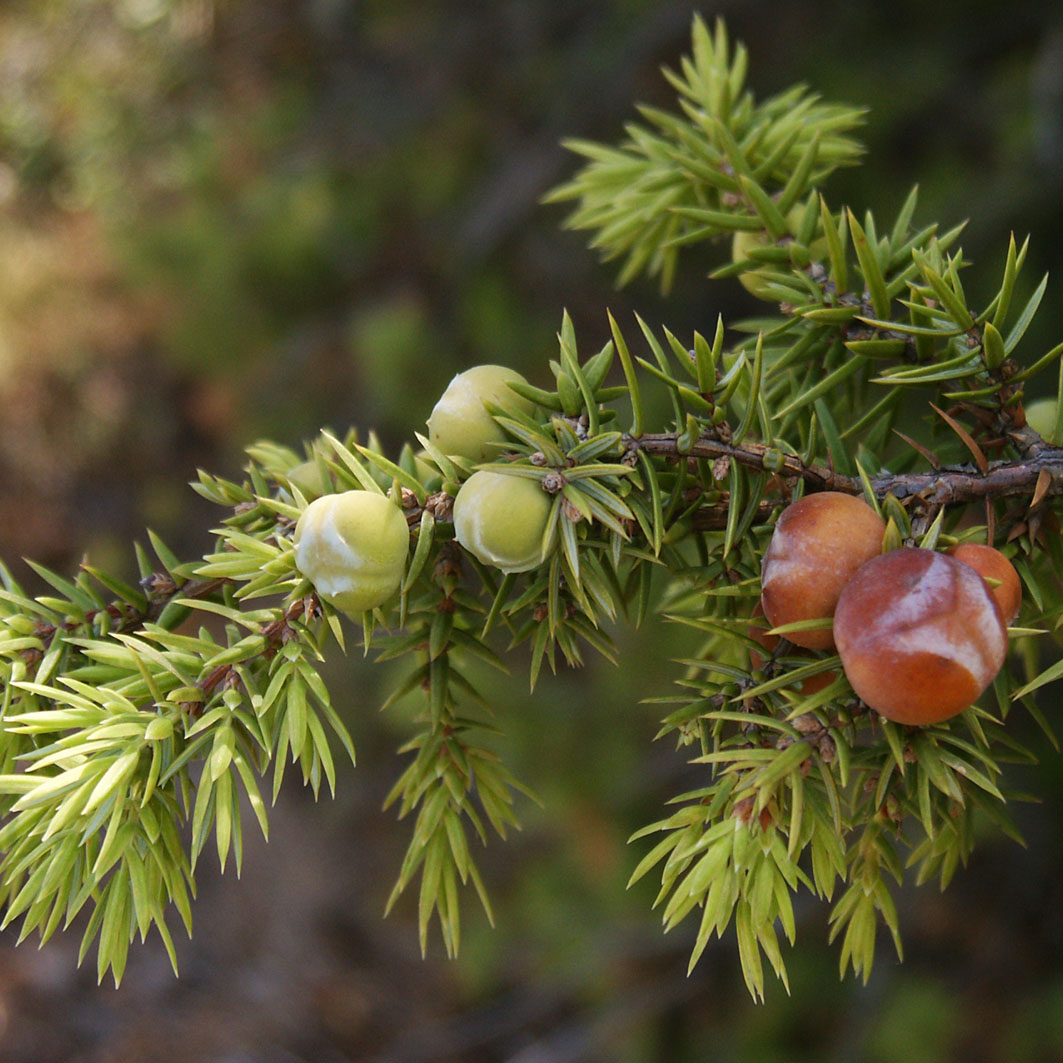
[(227, 221)]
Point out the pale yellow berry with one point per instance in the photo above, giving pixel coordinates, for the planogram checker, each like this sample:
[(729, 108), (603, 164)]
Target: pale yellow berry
[(423, 468), (501, 519), (460, 424), (755, 281), (1041, 417), (353, 548), (307, 477)]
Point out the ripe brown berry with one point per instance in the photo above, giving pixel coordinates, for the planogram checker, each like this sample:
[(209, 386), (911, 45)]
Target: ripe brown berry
[(818, 543), (919, 634), (990, 563)]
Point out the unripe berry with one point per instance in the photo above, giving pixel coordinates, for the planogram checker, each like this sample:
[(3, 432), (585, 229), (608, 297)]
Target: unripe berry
[(745, 240), (501, 519), (423, 468), (818, 543), (990, 562), (758, 630), (460, 424), (1041, 417), (742, 243), (919, 635), (307, 477), (353, 548)]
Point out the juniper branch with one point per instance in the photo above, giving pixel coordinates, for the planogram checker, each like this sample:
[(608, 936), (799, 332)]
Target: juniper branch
[(1039, 474)]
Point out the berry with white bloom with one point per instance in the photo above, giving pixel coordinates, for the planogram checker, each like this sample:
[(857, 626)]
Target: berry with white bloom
[(501, 519), (353, 548), (460, 424)]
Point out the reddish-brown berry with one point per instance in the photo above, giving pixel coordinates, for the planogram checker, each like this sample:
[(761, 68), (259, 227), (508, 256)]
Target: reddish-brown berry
[(990, 563), (818, 543), (919, 634)]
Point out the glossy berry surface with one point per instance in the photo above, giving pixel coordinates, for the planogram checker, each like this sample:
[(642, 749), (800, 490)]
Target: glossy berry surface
[(818, 543), (353, 548), (990, 563), (919, 635), (501, 519), (460, 424)]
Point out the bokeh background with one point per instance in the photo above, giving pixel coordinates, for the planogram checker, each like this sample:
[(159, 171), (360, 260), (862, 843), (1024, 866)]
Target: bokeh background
[(222, 220)]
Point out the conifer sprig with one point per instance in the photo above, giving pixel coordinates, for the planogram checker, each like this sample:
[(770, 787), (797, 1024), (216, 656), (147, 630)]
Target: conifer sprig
[(138, 722)]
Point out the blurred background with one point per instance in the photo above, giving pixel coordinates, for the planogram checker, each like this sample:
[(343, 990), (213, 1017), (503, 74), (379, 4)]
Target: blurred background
[(222, 220)]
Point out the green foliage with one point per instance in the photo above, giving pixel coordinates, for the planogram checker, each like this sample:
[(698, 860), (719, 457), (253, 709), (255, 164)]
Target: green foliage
[(679, 179), (136, 721)]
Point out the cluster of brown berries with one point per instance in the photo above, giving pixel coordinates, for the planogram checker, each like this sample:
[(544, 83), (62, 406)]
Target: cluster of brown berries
[(920, 633)]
